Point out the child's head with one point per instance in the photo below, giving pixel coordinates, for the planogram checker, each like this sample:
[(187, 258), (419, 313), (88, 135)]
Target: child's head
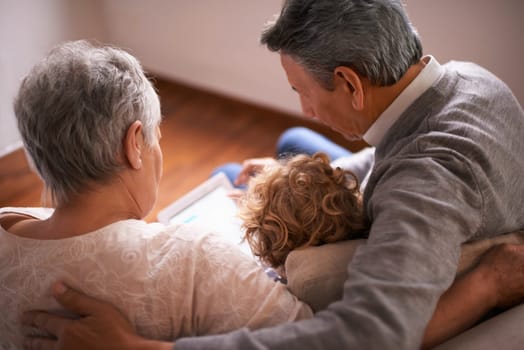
[(299, 203)]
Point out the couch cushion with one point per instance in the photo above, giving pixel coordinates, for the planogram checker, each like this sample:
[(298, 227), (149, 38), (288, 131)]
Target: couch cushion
[(316, 275), (503, 331)]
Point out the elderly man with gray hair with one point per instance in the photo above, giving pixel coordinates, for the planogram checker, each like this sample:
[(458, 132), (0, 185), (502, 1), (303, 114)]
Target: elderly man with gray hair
[(447, 169)]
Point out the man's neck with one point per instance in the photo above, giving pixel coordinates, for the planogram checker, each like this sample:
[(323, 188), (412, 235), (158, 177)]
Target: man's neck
[(381, 97)]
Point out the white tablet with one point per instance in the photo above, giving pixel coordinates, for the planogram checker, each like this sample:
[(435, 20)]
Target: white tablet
[(208, 204)]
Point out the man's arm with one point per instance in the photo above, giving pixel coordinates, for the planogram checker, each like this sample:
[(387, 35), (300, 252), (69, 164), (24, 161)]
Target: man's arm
[(495, 283), (500, 273)]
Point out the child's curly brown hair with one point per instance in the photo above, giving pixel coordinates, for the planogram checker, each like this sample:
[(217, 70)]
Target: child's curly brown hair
[(300, 203)]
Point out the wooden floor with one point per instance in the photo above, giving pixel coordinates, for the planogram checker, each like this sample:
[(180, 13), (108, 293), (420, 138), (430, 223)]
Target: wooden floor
[(201, 130)]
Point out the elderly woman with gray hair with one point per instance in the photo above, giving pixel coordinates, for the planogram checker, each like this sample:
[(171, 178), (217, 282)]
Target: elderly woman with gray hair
[(89, 119)]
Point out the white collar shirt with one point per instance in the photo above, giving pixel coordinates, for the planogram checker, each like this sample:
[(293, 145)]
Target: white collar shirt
[(414, 90)]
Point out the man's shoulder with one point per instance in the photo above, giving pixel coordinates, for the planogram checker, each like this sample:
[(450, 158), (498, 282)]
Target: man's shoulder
[(473, 72), (456, 65)]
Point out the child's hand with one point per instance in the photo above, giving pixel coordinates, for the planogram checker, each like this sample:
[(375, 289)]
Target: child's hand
[(250, 167), (236, 195)]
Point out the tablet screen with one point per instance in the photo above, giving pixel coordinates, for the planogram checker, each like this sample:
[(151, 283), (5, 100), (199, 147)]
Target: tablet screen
[(208, 205), (214, 208)]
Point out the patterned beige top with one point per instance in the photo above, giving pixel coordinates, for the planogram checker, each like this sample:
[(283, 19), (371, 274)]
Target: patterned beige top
[(168, 280)]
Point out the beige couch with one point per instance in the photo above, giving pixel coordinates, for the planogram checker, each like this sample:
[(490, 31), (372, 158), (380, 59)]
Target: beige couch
[(317, 274)]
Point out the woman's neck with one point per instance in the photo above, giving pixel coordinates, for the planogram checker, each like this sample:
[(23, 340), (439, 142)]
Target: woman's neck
[(84, 213)]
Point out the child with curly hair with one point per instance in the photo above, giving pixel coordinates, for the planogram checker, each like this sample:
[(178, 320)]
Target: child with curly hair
[(300, 202)]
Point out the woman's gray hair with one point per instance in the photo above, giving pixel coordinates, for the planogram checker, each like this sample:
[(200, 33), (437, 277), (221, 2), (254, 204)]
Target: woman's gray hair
[(74, 109), (373, 37)]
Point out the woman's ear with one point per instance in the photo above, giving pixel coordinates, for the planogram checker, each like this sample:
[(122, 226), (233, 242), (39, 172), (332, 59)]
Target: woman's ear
[(133, 145), (349, 80)]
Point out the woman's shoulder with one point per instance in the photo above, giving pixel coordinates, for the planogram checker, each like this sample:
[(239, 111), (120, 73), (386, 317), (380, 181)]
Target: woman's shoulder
[(9, 216), (200, 246), (187, 239), (163, 241), (7, 220)]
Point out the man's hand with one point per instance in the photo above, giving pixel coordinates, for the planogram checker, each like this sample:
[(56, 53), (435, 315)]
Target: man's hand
[(504, 264), (100, 326), (496, 281), (250, 167)]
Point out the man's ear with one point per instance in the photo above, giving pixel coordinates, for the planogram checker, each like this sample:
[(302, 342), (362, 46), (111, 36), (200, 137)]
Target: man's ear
[(349, 80), (133, 145)]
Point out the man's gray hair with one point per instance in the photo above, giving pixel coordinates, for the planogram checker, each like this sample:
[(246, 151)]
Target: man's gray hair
[(73, 111), (373, 37)]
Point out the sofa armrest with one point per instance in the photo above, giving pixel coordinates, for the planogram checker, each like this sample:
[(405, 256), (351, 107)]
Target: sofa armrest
[(316, 275), (503, 331)]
